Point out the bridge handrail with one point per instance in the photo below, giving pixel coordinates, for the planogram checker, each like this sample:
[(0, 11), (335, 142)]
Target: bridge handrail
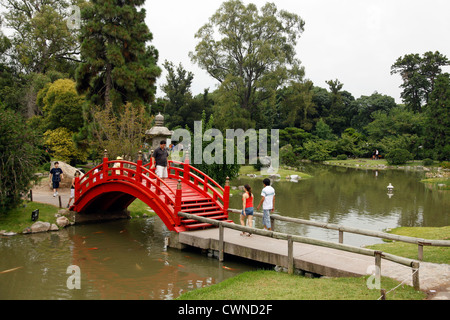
[(152, 179), (205, 181)]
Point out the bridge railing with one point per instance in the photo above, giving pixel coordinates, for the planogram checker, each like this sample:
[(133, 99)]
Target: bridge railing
[(378, 255), (199, 180), (135, 173), (370, 233)]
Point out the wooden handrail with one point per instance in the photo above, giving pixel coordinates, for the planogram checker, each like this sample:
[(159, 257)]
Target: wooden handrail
[(295, 238)]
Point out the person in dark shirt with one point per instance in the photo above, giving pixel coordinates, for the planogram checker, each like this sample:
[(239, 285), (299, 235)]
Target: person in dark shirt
[(56, 175), (160, 156)]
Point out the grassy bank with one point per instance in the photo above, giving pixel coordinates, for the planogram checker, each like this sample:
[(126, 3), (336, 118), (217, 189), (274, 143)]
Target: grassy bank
[(372, 164), (407, 250), (438, 183), (272, 285), (19, 219), (281, 171)]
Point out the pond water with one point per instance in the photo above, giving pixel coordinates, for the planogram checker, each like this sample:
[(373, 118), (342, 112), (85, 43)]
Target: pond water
[(355, 198), (128, 259)]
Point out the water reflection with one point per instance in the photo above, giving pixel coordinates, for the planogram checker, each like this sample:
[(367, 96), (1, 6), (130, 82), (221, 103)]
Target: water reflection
[(118, 260)]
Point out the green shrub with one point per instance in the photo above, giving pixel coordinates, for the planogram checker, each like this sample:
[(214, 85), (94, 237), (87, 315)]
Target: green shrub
[(341, 157), (427, 162), (398, 156), (445, 164)]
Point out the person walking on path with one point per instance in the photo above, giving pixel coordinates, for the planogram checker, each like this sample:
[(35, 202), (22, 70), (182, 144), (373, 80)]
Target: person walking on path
[(56, 175), (247, 208), (160, 156), (72, 188), (267, 202)]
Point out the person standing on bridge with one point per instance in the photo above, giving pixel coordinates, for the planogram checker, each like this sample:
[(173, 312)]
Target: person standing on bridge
[(160, 156), (247, 208), (268, 203)]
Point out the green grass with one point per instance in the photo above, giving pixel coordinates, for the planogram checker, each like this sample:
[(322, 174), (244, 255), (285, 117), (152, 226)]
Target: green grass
[(407, 250), (282, 172), (18, 219), (138, 208), (271, 285), (369, 163), (438, 183)]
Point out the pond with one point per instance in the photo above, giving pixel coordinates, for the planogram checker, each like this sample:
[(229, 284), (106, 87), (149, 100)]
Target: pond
[(353, 197), (128, 259)]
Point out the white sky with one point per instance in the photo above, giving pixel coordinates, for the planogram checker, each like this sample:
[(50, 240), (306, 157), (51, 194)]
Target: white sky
[(354, 41)]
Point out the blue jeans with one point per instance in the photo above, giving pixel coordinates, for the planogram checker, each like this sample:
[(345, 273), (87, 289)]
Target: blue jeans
[(266, 218), (248, 211)]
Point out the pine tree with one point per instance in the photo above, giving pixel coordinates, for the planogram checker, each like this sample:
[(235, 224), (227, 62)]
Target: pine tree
[(118, 64)]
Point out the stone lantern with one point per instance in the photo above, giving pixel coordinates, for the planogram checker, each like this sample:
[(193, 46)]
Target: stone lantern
[(158, 132)]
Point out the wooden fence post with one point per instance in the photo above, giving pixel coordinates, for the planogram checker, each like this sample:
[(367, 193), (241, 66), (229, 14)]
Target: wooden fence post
[(415, 270), (290, 255), (221, 244)]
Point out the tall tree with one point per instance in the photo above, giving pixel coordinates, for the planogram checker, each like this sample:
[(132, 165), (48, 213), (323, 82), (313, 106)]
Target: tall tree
[(437, 126), (118, 64), (41, 40), (250, 52), (419, 74)]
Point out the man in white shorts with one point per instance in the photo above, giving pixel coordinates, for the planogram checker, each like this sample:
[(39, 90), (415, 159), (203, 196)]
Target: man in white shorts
[(160, 156)]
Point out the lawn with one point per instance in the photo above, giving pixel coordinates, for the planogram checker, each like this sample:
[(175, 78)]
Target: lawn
[(407, 250), (272, 285)]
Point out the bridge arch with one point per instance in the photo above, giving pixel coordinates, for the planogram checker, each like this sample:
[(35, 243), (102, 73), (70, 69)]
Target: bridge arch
[(113, 185)]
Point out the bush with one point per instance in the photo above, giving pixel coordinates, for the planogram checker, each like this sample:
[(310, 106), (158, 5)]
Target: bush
[(398, 156), (427, 162), (341, 157), (287, 156), (445, 164), (19, 156)]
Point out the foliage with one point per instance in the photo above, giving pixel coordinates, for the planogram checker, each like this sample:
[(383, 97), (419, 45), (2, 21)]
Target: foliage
[(318, 150), (61, 105), (341, 157), (437, 122), (19, 156), (294, 137), (219, 169), (118, 66), (398, 156), (419, 75), (41, 40), (120, 136), (249, 68), (62, 147), (288, 157)]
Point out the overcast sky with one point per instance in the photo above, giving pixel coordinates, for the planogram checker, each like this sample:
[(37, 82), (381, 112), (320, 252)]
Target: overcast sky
[(354, 41)]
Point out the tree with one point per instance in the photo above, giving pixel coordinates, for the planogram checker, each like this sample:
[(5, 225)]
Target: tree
[(437, 121), (250, 52), (418, 74), (118, 65), (62, 105), (19, 156), (62, 147), (122, 136), (41, 40)]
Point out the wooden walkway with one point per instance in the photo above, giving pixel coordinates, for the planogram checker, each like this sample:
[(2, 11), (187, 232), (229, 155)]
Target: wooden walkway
[(307, 258)]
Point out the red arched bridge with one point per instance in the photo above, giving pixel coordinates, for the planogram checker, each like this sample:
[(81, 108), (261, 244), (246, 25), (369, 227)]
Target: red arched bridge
[(114, 184)]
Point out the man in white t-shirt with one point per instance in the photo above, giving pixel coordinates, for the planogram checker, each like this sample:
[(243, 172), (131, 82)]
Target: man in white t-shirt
[(267, 202)]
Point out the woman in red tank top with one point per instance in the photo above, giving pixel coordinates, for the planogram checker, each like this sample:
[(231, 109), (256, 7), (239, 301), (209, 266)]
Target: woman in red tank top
[(247, 208)]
